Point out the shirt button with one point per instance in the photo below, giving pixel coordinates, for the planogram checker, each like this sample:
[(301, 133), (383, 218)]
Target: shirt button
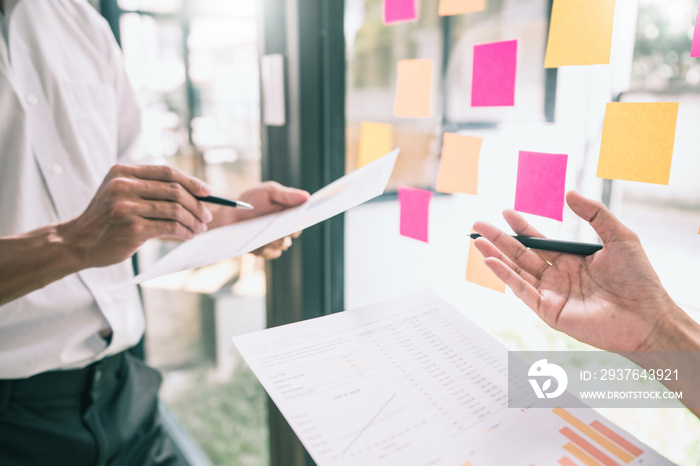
[(56, 169), (32, 99)]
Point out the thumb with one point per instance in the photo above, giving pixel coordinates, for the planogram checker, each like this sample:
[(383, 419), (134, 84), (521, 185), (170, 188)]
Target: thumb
[(608, 227)]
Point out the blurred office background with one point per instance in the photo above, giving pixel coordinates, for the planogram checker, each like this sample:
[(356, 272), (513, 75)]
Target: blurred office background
[(195, 65)]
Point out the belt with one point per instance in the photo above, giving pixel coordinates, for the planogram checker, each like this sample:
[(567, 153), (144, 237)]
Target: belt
[(62, 383)]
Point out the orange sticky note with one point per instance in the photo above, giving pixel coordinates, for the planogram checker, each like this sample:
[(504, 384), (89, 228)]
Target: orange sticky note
[(638, 140), (580, 33), (459, 7), (375, 141), (479, 273), (413, 85), (459, 164)]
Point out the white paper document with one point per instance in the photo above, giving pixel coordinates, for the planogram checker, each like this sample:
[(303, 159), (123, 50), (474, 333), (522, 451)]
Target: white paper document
[(413, 382), (229, 241)]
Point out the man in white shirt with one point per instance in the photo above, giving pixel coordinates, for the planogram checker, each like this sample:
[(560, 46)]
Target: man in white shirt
[(77, 199)]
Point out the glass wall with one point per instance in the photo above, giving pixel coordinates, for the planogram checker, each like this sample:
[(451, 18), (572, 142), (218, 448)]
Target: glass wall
[(560, 114), (372, 52)]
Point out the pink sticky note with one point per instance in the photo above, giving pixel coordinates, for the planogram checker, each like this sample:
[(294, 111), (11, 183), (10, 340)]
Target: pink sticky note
[(540, 186), (415, 206), (399, 10), (695, 49), (493, 82)]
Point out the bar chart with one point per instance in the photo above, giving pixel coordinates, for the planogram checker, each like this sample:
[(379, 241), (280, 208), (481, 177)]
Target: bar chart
[(558, 436), (611, 442)]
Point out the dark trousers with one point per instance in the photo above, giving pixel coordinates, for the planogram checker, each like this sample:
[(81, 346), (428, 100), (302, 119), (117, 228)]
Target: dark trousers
[(105, 414)]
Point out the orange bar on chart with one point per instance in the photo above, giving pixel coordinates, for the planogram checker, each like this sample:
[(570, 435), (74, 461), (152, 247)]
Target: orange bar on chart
[(603, 429), (565, 461), (587, 447), (580, 455), (594, 435)]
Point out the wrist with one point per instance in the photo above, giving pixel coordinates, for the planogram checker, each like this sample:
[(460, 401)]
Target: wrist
[(69, 248), (674, 331)]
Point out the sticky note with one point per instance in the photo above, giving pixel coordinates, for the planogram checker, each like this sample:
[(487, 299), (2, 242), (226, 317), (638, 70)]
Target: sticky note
[(540, 185), (580, 33), (413, 86), (459, 164), (459, 7), (695, 48), (638, 141), (415, 208), (493, 82), (399, 10), (375, 141), (479, 273)]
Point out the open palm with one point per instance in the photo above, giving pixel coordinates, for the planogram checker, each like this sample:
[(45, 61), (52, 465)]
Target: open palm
[(611, 300)]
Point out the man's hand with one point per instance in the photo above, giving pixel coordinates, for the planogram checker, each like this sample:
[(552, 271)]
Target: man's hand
[(266, 198), (612, 300), (134, 204)]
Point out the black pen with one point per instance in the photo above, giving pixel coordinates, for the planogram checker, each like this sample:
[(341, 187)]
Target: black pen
[(554, 245), (226, 202)]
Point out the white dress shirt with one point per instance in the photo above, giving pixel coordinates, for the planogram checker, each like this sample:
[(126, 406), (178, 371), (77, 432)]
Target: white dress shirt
[(67, 114)]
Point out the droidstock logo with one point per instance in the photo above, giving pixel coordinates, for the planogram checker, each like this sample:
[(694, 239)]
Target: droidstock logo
[(544, 372)]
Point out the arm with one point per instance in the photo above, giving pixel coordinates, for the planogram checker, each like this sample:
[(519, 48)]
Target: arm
[(133, 204), (612, 300), (33, 260)]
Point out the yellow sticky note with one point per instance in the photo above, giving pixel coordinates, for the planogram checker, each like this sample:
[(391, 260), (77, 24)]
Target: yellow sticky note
[(479, 273), (459, 7), (459, 164), (638, 141), (413, 85), (375, 141), (580, 33)]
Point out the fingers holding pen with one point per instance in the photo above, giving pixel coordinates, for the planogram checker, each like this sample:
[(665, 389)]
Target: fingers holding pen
[(162, 193), (167, 174), (521, 227), (523, 284), (132, 205), (488, 250), (171, 211), (513, 250)]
